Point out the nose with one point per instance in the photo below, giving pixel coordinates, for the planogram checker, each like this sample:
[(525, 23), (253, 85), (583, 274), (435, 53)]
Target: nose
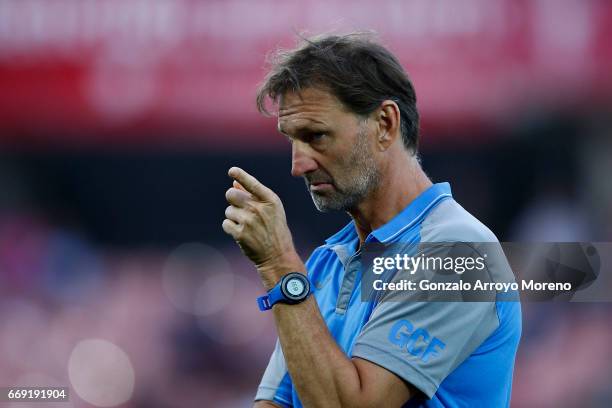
[(301, 161)]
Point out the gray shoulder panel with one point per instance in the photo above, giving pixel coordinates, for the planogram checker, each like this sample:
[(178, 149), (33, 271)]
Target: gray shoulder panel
[(450, 222)]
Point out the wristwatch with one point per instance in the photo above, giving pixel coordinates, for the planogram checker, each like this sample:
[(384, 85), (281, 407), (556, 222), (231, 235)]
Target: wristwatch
[(293, 288)]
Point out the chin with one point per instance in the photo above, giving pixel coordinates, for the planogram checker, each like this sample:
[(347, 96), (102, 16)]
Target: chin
[(320, 206), (327, 205), (320, 203)]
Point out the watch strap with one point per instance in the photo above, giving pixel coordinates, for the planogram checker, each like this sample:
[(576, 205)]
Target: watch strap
[(266, 302)]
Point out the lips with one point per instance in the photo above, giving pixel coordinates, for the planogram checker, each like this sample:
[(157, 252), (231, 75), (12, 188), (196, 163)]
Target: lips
[(319, 186), (318, 181)]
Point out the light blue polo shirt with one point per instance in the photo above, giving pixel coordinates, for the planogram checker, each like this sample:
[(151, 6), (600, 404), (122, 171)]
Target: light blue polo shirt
[(458, 354)]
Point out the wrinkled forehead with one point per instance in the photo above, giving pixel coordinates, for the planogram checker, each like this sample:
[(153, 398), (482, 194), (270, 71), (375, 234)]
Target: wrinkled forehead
[(309, 106)]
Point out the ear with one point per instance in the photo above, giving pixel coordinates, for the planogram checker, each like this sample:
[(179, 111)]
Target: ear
[(387, 118)]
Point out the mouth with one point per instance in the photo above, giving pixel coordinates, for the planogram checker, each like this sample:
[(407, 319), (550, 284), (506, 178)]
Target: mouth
[(320, 186)]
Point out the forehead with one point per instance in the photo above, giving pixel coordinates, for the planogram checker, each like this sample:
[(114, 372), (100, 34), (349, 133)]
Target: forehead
[(310, 107)]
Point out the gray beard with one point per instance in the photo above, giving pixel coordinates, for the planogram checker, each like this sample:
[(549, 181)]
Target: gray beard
[(364, 179)]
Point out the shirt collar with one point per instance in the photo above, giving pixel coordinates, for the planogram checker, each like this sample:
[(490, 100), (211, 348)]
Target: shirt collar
[(402, 221)]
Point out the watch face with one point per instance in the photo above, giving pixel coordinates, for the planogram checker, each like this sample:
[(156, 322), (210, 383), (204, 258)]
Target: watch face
[(295, 287)]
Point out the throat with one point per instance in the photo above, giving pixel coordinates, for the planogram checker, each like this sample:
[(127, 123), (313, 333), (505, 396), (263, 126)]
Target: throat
[(388, 200)]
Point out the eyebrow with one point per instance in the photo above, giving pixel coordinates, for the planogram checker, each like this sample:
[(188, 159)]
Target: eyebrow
[(316, 126)]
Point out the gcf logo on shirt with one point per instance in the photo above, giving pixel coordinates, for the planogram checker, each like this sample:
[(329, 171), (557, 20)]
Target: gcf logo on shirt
[(415, 340)]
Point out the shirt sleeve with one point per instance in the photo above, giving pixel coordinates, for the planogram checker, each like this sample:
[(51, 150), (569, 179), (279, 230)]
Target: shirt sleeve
[(422, 342), (276, 384)]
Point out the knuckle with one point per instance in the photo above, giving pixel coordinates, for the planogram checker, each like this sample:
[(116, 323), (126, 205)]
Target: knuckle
[(239, 235), (260, 209), (251, 207)]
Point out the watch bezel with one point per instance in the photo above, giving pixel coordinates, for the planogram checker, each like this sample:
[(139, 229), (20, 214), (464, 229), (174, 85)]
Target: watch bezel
[(287, 295)]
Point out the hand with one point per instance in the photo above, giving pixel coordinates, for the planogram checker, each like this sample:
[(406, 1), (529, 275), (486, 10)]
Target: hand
[(256, 220)]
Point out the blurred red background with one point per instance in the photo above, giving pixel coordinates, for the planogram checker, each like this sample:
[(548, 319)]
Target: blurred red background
[(120, 118), (126, 72)]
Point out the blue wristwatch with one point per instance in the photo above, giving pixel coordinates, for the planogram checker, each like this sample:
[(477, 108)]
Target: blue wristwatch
[(293, 288)]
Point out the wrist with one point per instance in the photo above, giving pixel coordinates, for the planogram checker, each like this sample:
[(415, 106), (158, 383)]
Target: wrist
[(271, 272)]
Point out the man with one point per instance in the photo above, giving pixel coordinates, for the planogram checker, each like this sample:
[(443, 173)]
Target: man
[(349, 110)]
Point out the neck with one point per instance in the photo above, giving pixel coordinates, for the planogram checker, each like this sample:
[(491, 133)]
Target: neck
[(400, 185)]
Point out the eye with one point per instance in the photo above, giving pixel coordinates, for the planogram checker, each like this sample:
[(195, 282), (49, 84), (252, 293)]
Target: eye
[(314, 137)]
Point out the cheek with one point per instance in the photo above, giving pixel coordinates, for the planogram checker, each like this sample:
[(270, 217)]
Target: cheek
[(341, 157), (344, 169)]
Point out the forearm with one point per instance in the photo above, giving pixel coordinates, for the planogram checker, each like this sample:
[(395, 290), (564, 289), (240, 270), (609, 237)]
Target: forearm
[(320, 371)]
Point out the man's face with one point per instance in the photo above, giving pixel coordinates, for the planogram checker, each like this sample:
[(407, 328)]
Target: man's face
[(331, 149)]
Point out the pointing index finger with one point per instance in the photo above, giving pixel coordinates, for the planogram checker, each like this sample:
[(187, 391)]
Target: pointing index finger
[(250, 183)]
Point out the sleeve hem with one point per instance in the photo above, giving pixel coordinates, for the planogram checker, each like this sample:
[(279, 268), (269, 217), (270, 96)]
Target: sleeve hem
[(390, 362), (275, 400), (265, 393)]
